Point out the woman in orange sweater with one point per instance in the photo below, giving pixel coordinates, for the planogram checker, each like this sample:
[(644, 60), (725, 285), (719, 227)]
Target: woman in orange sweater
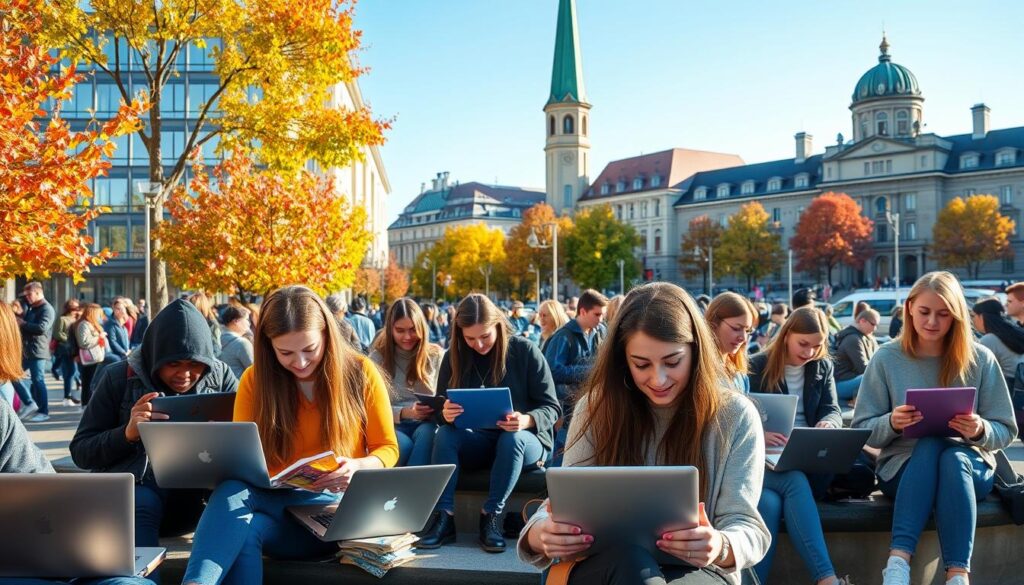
[(307, 392)]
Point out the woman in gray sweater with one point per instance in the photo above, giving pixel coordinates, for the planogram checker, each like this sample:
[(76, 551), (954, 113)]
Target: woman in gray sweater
[(946, 476), (669, 409)]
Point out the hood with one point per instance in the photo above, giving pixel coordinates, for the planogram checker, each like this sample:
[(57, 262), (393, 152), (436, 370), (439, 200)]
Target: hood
[(178, 333), (850, 330)]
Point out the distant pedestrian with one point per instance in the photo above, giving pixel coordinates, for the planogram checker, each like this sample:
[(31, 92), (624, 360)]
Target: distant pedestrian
[(92, 338), (338, 307), (117, 334), (520, 324), (237, 350), (65, 349), (365, 329), (36, 327), (205, 306)]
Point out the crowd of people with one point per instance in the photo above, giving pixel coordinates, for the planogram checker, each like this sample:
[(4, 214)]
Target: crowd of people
[(656, 377)]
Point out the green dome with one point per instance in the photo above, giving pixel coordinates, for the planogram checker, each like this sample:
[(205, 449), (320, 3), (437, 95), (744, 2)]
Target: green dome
[(886, 79)]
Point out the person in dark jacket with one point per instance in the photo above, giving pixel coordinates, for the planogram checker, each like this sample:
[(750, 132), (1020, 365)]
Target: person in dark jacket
[(118, 344), (36, 327), (854, 347), (176, 357), (139, 331), (485, 353)]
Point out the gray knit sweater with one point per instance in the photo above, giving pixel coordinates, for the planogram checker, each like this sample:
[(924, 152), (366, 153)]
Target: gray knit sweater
[(18, 454), (400, 390), (735, 470), (884, 387)]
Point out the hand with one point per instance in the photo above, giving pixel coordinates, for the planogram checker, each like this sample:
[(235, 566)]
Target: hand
[(142, 412), (698, 546), (451, 411), (904, 416), (556, 540), (775, 439), (416, 412), (337, 480), (825, 424), (515, 422), (970, 426)]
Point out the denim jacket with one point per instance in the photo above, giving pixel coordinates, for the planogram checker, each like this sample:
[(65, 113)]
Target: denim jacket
[(570, 353)]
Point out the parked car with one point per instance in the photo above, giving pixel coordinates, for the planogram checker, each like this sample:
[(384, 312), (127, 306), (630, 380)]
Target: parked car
[(884, 301)]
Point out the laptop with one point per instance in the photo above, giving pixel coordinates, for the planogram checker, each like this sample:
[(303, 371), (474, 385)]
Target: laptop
[(778, 411), (216, 406), (378, 502), (201, 455), (67, 526), (938, 406), (814, 450), (482, 407), (625, 505)]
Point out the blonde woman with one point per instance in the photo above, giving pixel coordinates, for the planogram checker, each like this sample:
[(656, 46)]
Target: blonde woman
[(733, 319), (934, 475), (613, 307), (552, 316)]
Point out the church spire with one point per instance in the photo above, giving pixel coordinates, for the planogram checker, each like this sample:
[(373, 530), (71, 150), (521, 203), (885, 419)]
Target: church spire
[(567, 71)]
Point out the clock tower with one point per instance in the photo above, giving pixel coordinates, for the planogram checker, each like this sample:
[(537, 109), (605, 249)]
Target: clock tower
[(567, 118)]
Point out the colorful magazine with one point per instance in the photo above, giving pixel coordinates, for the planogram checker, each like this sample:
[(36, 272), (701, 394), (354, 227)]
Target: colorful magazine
[(305, 472)]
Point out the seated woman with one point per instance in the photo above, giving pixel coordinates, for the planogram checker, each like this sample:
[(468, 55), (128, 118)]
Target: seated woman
[(308, 392), (1005, 339), (732, 319), (484, 353), (176, 357), (797, 362), (656, 398), (937, 475), (410, 363), (552, 316)]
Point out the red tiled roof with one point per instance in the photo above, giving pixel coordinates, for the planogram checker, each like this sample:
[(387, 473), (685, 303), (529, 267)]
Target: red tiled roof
[(673, 166)]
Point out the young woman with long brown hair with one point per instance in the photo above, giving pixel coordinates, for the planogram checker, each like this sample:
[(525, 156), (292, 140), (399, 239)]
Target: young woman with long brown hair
[(934, 475), (484, 353), (797, 362), (656, 397), (307, 392), (409, 362), (733, 319), (10, 358), (89, 333)]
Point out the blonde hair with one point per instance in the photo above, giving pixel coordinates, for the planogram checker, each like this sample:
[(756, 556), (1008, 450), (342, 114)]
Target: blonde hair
[(556, 311), (958, 353), (613, 308), (726, 306), (10, 340), (204, 304), (476, 309), (803, 321), (406, 308)]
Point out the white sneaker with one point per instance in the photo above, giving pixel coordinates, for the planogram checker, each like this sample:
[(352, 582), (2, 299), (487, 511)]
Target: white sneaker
[(896, 572), (957, 580), (27, 411), (68, 402), (39, 418)]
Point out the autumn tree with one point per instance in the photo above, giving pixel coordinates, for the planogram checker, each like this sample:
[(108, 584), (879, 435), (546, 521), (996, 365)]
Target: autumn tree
[(749, 247), (596, 243), (396, 280), (520, 256), (45, 171), (832, 231), (464, 253), (258, 230), (703, 235), (275, 61), (366, 283), (970, 232)]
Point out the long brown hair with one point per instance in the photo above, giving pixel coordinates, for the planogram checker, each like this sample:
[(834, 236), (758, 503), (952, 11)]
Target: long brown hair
[(204, 304), (619, 421), (339, 378), (958, 354), (91, 314), (10, 340), (406, 308), (476, 309), (726, 306), (805, 320)]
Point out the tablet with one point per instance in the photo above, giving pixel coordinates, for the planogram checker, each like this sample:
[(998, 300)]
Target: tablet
[(938, 406), (435, 402), (209, 407), (483, 407)]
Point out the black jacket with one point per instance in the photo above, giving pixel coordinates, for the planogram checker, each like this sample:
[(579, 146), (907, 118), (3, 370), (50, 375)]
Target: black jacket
[(527, 377), (820, 400), (178, 333), (36, 331)]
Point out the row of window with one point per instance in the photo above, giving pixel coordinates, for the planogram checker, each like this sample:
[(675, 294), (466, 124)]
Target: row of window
[(186, 98), (129, 150), (628, 211), (801, 181), (1005, 194), (657, 241), (192, 57), (568, 125), (1004, 157), (639, 184), (903, 123)]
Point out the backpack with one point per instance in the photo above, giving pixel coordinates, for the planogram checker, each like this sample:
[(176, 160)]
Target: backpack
[(1009, 486)]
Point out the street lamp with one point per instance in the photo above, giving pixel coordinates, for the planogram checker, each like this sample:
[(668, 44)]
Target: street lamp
[(149, 191), (486, 271), (698, 253), (893, 219), (433, 279), (447, 282), (622, 276), (534, 242), (533, 268)]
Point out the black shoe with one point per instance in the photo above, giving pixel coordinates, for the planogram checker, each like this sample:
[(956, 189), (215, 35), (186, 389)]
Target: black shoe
[(491, 539), (440, 531)]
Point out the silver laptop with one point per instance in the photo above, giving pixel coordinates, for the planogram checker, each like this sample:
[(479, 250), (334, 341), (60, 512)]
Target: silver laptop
[(204, 454), (625, 505), (66, 526), (379, 502), (778, 411), (813, 450)]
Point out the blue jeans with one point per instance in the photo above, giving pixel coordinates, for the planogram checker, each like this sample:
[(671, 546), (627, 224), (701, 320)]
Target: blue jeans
[(241, 523), (415, 442), (506, 453), (847, 389), (37, 381), (949, 479), (104, 581), (68, 370), (789, 494), (160, 511)]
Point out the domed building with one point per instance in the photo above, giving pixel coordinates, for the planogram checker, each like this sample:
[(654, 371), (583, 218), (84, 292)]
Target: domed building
[(887, 100)]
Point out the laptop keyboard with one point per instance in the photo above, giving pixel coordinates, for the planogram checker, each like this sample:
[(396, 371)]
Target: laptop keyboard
[(323, 519)]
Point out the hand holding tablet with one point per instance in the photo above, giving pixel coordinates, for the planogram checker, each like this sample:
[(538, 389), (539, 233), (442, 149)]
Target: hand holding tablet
[(478, 408), (938, 412)]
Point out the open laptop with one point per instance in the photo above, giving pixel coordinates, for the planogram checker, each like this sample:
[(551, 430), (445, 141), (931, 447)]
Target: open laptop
[(215, 406), (778, 411), (625, 505), (378, 502), (814, 450), (201, 455), (66, 526)]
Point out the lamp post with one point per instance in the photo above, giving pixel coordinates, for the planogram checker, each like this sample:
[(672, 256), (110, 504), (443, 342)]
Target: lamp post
[(533, 268), (698, 252), (447, 282), (534, 242), (893, 219), (149, 191), (433, 279), (622, 276), (486, 271)]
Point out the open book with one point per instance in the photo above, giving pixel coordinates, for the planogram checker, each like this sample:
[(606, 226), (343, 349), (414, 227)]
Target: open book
[(305, 472)]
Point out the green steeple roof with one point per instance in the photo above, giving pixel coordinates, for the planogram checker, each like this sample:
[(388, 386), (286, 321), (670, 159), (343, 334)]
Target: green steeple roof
[(567, 71)]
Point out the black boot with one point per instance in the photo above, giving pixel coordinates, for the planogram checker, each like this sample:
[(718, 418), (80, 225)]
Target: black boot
[(491, 539), (440, 530)]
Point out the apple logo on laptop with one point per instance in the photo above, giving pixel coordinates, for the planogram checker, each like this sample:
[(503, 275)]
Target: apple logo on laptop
[(204, 456), (43, 526), (823, 454), (390, 504)]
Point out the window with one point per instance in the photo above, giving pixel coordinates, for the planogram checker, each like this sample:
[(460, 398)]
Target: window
[(121, 56), (774, 184), (618, 212), (584, 123), (198, 95), (747, 188), (1006, 194), (139, 154), (111, 192), (969, 161), (881, 205), (81, 101), (620, 186), (902, 123), (551, 125), (657, 241), (657, 208), (723, 191), (801, 181), (656, 181), (605, 187), (108, 99), (881, 232), (969, 192), (120, 148), (567, 196), (723, 220), (1008, 265), (799, 211), (1005, 157), (882, 123), (201, 59), (776, 214), (867, 169), (113, 237), (632, 215), (643, 210), (877, 167), (172, 144), (924, 161), (888, 166), (910, 202), (700, 194), (638, 183), (643, 240), (138, 243), (863, 126), (209, 149), (910, 230), (568, 125)]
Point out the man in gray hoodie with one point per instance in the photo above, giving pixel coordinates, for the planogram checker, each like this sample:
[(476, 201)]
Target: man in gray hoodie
[(854, 347)]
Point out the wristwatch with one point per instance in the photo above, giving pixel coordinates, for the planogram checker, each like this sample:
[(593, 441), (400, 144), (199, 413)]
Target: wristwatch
[(724, 554)]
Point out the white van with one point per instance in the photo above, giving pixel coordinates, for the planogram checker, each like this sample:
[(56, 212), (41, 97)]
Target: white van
[(884, 301)]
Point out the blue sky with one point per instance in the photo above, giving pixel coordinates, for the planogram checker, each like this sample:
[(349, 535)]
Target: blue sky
[(466, 80)]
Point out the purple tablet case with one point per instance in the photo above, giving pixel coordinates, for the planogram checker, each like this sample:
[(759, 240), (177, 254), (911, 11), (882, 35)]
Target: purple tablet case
[(939, 406)]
